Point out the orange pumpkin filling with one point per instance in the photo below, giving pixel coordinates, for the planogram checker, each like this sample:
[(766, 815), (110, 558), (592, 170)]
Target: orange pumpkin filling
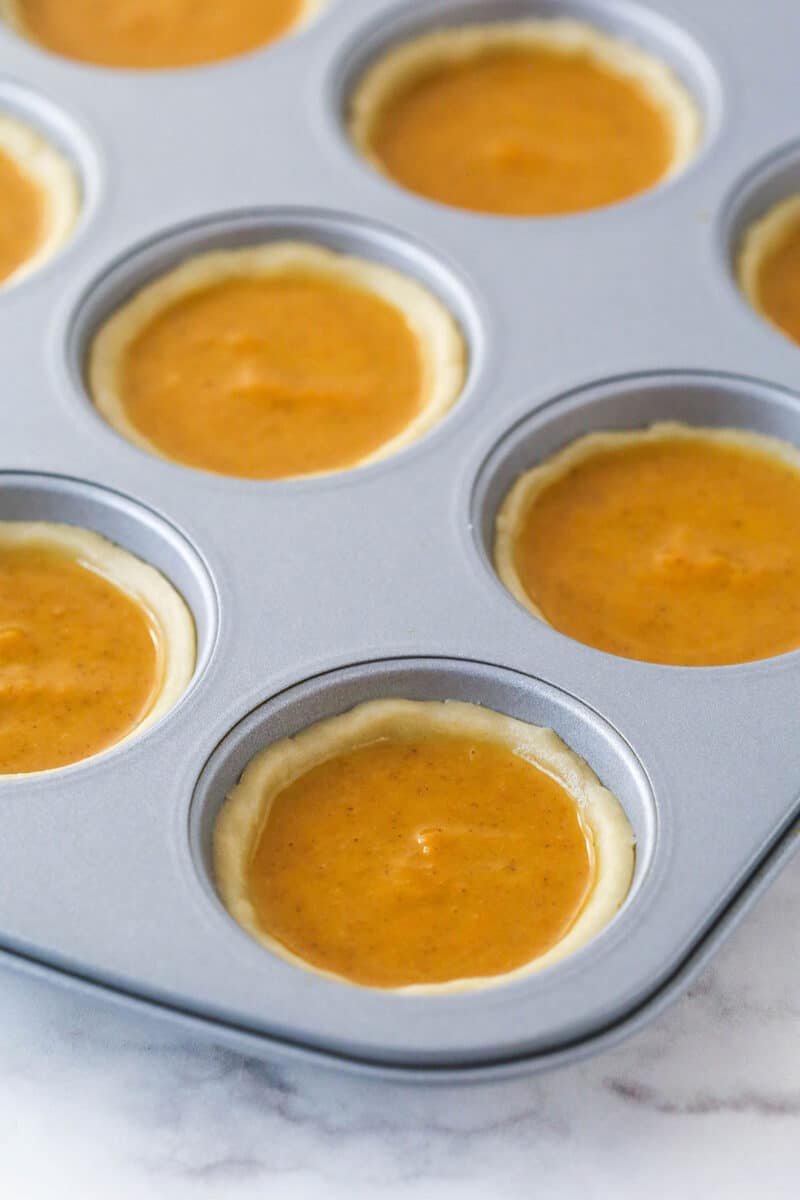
[(155, 33), (523, 132), (679, 550), (274, 377), (79, 660), (778, 282), (421, 860)]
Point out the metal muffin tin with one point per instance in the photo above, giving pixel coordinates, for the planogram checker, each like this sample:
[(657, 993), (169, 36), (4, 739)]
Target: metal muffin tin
[(310, 596)]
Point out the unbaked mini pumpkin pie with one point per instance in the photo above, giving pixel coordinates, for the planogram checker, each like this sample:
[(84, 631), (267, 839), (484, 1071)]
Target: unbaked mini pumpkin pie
[(424, 846), (95, 645), (276, 361), (768, 266), (523, 118), (673, 544), (155, 33), (39, 199)]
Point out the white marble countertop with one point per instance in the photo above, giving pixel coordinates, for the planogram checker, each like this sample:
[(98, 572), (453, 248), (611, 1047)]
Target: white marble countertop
[(703, 1104)]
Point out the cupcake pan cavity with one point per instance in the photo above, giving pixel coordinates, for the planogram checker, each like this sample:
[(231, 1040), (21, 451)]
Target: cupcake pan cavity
[(312, 595), (437, 679)]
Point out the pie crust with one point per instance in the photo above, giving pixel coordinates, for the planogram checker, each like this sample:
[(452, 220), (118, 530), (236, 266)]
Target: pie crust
[(441, 345), (272, 770), (52, 174)]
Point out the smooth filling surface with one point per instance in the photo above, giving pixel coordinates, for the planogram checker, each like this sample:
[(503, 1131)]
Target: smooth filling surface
[(79, 660), (523, 132), (421, 859), (778, 282), (273, 377), (155, 33), (676, 550), (22, 208)]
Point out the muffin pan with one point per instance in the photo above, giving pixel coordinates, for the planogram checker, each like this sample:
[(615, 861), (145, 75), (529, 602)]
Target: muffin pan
[(310, 596)]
